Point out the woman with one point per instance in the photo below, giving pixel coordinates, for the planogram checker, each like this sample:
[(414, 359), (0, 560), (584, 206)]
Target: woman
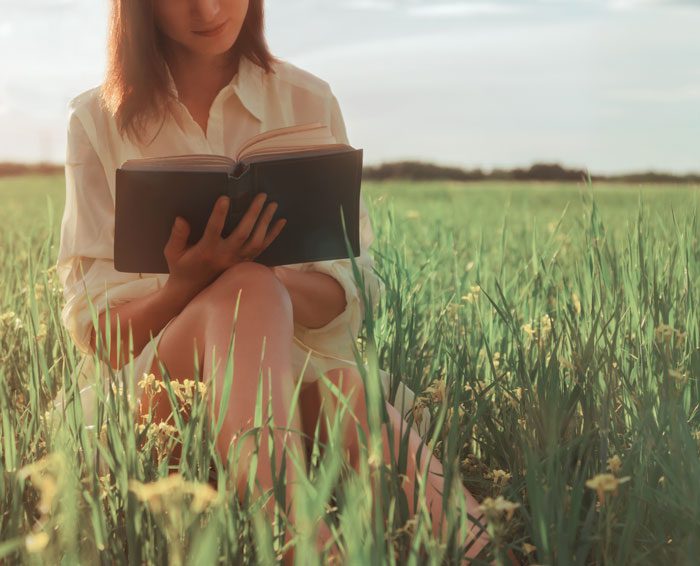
[(196, 76)]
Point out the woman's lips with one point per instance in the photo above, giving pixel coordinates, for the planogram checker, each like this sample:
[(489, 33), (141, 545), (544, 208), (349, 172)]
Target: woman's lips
[(213, 31)]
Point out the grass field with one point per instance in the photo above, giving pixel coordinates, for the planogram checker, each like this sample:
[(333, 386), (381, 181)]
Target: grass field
[(552, 330)]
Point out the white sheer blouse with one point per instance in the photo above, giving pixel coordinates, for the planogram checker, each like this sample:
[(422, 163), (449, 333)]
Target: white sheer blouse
[(253, 102)]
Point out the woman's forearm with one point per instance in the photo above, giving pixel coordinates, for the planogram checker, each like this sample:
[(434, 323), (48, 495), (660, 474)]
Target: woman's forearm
[(317, 298), (146, 314)]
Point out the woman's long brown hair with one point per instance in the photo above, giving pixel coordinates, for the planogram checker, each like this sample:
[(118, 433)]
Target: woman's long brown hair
[(135, 89)]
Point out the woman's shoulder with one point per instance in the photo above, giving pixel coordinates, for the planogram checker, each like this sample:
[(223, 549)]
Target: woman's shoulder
[(89, 122), (85, 98), (299, 78), (87, 109), (86, 103)]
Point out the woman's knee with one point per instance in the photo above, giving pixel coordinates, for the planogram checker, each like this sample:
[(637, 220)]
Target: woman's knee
[(258, 284)]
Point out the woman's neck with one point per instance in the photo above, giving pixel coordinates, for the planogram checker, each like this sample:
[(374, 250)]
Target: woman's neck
[(199, 78)]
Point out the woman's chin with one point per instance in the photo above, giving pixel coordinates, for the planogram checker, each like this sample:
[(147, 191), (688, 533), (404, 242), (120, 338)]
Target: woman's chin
[(210, 47)]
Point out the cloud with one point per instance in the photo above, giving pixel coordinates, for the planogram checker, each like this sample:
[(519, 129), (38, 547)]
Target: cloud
[(472, 7), (6, 29), (463, 8), (661, 95)]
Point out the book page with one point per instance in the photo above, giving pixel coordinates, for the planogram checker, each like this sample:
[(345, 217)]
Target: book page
[(313, 138), (191, 162), (280, 140), (275, 153)]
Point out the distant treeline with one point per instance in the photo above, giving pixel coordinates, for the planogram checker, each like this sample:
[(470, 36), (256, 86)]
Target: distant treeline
[(423, 171), (8, 168)]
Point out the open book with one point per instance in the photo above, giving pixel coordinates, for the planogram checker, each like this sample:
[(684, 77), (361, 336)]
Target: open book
[(302, 168)]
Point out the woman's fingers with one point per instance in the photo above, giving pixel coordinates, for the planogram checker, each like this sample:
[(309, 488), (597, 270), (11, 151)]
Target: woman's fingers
[(254, 243), (273, 233), (217, 219), (252, 234), (241, 232), (250, 250)]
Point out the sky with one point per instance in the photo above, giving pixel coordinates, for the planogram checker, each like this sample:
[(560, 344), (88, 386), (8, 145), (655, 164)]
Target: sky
[(608, 85)]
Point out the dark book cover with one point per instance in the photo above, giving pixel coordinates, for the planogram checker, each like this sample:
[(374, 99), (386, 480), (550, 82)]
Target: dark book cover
[(309, 189)]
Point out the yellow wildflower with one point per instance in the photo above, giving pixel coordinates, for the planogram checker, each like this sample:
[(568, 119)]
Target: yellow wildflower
[(39, 291), (678, 376), (528, 329), (577, 303), (614, 464), (538, 332), (7, 316), (494, 508), (9, 319), (412, 214), (36, 542), (165, 492), (605, 482), (665, 333), (45, 474), (149, 383), (436, 391), (185, 390), (41, 332), (546, 323), (473, 295), (499, 477)]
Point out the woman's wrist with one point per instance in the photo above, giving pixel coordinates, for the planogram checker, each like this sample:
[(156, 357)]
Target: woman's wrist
[(178, 294)]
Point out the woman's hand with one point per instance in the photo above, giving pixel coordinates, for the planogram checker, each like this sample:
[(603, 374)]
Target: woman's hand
[(195, 267)]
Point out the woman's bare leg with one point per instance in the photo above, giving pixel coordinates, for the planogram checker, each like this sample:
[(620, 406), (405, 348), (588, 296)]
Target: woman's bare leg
[(353, 388), (265, 310)]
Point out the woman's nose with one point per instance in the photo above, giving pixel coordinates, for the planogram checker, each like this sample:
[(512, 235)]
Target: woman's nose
[(206, 11)]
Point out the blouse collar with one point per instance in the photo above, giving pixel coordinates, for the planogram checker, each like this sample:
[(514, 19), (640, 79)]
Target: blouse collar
[(247, 83)]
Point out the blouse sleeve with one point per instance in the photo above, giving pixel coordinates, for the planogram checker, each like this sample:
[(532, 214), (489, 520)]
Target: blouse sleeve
[(336, 337), (85, 263)]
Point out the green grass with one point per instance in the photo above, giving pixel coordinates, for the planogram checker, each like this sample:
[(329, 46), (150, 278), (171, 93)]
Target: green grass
[(563, 320)]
